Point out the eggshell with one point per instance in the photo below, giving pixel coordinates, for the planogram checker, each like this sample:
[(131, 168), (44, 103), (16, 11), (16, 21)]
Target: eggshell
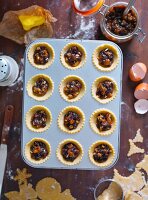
[(141, 106), (137, 72), (141, 91)]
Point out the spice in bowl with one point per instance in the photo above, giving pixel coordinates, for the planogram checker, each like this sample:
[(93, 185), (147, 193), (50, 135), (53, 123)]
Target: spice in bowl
[(120, 24)]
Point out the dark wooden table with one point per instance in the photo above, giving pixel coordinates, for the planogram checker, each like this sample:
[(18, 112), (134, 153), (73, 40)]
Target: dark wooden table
[(70, 25)]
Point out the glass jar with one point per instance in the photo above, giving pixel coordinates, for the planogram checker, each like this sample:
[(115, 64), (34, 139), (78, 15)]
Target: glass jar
[(102, 8), (108, 189), (116, 38)]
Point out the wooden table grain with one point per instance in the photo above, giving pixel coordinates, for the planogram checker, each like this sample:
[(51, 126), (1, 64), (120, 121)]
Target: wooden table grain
[(70, 25)]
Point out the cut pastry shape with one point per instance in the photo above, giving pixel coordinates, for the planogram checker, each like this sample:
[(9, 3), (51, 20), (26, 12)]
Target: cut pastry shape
[(138, 137), (66, 195), (104, 89), (41, 55), (38, 118), (143, 164), (37, 150), (134, 149), (73, 56), (72, 88), (40, 87), (105, 57), (71, 119), (70, 152), (48, 188), (129, 183), (101, 153), (103, 121)]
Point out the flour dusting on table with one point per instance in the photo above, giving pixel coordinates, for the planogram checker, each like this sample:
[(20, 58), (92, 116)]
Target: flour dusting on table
[(85, 30)]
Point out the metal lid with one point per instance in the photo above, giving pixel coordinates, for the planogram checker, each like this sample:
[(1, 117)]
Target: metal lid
[(86, 8), (4, 69)]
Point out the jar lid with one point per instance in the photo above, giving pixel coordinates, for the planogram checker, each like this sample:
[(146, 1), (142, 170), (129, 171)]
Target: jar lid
[(88, 7)]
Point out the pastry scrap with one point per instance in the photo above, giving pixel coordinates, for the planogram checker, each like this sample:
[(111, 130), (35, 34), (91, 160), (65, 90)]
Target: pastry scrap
[(143, 164), (48, 188), (129, 183), (41, 55), (134, 149), (73, 56), (72, 88), (103, 121), (66, 195), (138, 137), (132, 196), (37, 150), (71, 119), (40, 87), (144, 192), (104, 89), (38, 118), (70, 152), (106, 57), (101, 153)]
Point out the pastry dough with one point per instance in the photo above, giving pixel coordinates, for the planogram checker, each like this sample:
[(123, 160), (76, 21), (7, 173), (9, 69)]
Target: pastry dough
[(93, 119), (31, 112), (94, 89), (63, 84), (132, 196), (64, 50), (110, 158), (129, 183), (60, 157), (96, 53), (138, 137), (31, 83), (143, 164), (134, 149), (27, 151), (61, 119), (31, 52)]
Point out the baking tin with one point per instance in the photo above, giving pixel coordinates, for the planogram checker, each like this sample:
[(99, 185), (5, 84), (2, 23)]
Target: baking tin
[(87, 103)]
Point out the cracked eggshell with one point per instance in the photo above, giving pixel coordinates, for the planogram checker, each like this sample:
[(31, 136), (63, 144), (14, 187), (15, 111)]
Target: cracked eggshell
[(137, 72), (141, 91), (141, 106)]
